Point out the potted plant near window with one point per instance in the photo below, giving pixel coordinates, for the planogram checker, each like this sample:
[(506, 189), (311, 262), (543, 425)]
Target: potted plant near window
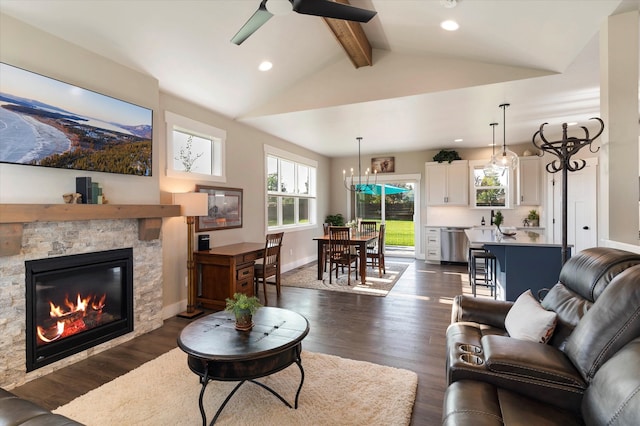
[(534, 218), (243, 307), (335, 219)]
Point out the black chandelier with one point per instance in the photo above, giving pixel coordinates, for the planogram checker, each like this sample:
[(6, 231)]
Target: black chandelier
[(359, 187)]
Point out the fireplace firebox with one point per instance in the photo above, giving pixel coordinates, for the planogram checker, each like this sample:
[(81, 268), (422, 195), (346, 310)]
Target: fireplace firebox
[(77, 302)]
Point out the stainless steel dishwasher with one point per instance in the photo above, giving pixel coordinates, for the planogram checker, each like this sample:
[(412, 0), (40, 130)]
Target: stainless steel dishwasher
[(454, 245)]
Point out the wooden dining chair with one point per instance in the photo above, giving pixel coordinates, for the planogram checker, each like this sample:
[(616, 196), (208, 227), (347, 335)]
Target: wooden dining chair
[(376, 253), (325, 247), (368, 226), (340, 253), (270, 266)]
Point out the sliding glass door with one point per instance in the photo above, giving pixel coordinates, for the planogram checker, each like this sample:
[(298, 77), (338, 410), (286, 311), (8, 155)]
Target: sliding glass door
[(394, 204)]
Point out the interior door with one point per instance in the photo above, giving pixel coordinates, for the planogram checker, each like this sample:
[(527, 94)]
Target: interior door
[(582, 205)]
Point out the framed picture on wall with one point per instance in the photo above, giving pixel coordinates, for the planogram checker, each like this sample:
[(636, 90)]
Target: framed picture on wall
[(383, 164), (225, 209)]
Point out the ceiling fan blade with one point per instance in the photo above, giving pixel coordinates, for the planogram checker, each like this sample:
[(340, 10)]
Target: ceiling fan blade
[(257, 20), (330, 9)]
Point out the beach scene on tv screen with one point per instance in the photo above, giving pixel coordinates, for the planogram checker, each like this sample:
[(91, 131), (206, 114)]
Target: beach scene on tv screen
[(46, 122)]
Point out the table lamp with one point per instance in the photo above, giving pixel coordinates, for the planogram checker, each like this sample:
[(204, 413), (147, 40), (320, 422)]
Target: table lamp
[(192, 204)]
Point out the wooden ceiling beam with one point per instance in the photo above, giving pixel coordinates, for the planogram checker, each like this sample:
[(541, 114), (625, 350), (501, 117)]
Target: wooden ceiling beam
[(352, 38)]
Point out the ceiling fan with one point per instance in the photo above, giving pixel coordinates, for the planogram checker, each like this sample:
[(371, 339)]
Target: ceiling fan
[(324, 8)]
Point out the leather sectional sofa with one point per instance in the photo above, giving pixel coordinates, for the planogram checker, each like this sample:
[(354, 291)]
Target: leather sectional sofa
[(16, 411), (587, 373)]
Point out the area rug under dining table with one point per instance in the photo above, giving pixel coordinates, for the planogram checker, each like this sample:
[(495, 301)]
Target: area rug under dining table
[(336, 391), (307, 277)]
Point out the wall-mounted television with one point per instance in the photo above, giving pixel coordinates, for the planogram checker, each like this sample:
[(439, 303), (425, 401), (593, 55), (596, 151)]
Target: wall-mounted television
[(46, 122)]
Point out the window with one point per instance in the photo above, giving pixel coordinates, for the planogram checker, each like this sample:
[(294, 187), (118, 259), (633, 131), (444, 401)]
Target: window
[(290, 189), (490, 191), (194, 150)]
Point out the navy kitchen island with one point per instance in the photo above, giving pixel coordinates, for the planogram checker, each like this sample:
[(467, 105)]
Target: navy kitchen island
[(527, 260)]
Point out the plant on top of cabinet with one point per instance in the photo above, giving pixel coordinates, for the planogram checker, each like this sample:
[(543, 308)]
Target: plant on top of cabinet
[(445, 155)]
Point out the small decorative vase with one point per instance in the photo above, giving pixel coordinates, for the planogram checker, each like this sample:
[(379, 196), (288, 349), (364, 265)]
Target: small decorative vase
[(244, 320)]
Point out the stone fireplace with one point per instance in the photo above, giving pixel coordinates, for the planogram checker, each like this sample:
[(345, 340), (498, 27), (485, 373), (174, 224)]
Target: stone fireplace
[(65, 237)]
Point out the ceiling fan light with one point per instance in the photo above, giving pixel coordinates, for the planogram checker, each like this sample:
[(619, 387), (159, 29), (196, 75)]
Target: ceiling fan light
[(279, 7)]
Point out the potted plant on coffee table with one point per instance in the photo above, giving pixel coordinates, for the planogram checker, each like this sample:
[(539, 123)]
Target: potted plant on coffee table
[(243, 307)]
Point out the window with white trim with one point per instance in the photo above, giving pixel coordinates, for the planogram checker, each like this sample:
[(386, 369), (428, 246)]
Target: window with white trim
[(195, 150), (490, 191), (290, 183)]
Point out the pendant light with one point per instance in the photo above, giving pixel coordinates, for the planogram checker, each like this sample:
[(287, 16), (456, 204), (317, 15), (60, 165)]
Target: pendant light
[(508, 159), (493, 168)]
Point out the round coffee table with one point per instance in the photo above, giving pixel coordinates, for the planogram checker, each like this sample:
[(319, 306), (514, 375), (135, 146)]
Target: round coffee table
[(217, 351)]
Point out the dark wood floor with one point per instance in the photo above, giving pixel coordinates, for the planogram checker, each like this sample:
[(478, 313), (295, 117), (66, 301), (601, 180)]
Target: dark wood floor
[(406, 329)]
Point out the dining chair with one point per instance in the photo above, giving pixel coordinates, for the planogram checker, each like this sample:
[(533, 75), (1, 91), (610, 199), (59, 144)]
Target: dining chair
[(340, 253), (368, 226), (270, 266), (376, 253), (325, 247)]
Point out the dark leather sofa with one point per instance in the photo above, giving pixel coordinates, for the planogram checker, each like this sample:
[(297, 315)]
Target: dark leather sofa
[(588, 373), (17, 411)]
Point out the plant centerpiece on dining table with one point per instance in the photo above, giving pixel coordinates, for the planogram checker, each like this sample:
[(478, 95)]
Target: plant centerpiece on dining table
[(243, 307)]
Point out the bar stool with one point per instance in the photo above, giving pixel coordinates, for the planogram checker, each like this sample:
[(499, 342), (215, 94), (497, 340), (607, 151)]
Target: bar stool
[(470, 250), (482, 265)]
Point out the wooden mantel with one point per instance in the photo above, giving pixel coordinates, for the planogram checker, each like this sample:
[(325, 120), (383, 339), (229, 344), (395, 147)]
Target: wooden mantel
[(14, 216)]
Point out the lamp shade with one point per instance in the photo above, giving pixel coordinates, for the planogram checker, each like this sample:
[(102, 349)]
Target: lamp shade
[(192, 203)]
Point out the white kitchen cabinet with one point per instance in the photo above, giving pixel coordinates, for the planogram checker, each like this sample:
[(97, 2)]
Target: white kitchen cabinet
[(529, 182), (447, 183), (432, 253)]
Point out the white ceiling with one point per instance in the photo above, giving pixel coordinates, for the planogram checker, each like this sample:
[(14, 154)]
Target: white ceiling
[(426, 87)]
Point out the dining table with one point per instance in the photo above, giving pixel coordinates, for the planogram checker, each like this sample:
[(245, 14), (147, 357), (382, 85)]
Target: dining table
[(357, 239)]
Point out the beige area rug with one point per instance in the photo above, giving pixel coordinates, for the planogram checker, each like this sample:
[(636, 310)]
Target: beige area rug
[(336, 391), (306, 277)]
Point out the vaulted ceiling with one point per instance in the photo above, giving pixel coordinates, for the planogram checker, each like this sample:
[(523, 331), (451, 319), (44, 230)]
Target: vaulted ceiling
[(425, 87)]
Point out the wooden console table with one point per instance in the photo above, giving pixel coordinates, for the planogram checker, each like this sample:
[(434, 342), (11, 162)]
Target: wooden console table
[(223, 271)]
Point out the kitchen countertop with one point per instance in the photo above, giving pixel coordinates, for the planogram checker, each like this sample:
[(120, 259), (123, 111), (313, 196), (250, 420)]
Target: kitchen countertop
[(522, 238)]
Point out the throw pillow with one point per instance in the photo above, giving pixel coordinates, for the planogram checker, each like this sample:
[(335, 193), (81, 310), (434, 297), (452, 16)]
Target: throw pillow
[(528, 320)]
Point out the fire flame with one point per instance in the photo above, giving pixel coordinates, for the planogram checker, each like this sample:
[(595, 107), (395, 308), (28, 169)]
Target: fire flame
[(70, 320)]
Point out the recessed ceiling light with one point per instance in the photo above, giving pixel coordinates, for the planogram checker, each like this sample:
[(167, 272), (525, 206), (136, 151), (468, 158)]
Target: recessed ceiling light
[(572, 123), (457, 140), (265, 66), (449, 25)]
